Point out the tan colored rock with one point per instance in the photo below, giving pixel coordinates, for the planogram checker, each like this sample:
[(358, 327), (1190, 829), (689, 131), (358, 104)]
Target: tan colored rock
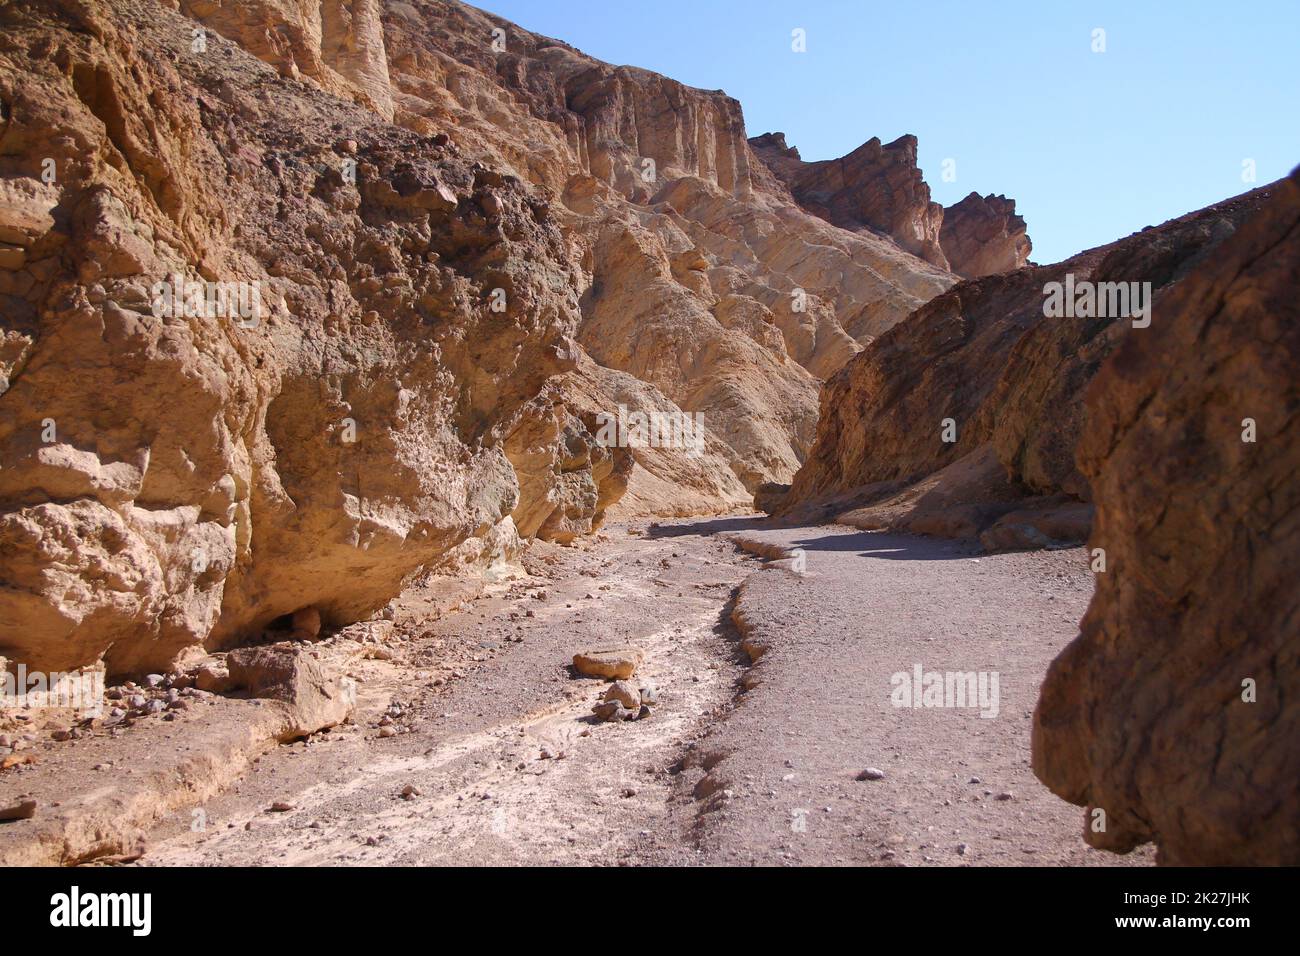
[(462, 260), (1175, 711), (624, 693), (213, 676), (336, 44), (615, 663), (310, 696), (208, 475)]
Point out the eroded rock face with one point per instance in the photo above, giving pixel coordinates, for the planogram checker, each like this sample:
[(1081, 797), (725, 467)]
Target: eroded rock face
[(880, 188), (983, 365), (466, 245), (337, 45), (877, 186), (1146, 716), (179, 477), (702, 277), (982, 235)]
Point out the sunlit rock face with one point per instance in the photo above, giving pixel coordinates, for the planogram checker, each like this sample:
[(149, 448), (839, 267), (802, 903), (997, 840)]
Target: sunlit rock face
[(301, 300)]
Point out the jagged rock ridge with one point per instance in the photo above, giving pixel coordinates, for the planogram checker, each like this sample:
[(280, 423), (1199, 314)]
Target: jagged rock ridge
[(880, 188)]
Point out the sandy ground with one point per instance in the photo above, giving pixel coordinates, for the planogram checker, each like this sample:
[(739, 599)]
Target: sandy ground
[(740, 763)]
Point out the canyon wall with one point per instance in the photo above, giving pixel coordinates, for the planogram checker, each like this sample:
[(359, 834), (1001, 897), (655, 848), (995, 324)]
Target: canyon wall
[(1172, 717), (958, 419), (176, 474), (420, 258)]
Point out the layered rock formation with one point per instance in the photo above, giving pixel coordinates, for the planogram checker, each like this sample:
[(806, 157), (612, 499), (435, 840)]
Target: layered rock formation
[(982, 376), (876, 186), (982, 235), (420, 257), (178, 473), (1173, 716), (879, 188)]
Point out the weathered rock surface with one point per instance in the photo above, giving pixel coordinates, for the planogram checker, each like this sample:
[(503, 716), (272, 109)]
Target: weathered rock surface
[(982, 235), (1175, 710), (470, 243), (910, 428), (309, 695), (613, 663), (876, 186), (176, 480), (880, 188)]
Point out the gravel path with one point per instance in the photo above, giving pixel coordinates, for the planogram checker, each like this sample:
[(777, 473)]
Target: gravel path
[(956, 787)]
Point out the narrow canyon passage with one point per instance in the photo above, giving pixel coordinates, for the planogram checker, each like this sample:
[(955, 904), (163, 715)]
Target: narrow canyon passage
[(503, 764)]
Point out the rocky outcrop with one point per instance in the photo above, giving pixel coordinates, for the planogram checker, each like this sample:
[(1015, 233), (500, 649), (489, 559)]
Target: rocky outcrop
[(982, 235), (702, 277), (982, 368), (180, 473), (1173, 716), (336, 45), (877, 187), (302, 300)]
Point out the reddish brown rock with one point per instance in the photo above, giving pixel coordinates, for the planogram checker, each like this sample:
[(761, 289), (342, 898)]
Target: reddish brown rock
[(982, 235), (983, 365), (876, 186), (1175, 712)]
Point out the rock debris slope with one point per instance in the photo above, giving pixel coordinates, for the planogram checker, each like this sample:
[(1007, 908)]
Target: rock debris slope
[(455, 247)]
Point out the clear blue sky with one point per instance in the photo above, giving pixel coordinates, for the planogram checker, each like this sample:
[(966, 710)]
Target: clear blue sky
[(1092, 146)]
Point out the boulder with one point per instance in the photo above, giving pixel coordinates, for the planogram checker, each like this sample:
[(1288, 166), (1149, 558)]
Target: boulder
[(769, 495), (311, 696), (615, 663), (624, 693)]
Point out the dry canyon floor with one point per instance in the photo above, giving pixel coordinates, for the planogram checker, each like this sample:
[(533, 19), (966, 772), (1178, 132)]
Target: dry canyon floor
[(493, 756)]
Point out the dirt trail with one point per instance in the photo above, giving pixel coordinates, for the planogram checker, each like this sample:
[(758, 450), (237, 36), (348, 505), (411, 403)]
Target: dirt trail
[(738, 764)]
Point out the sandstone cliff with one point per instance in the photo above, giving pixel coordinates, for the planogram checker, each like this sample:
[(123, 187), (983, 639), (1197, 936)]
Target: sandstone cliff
[(185, 474), (433, 254), (1173, 713)]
